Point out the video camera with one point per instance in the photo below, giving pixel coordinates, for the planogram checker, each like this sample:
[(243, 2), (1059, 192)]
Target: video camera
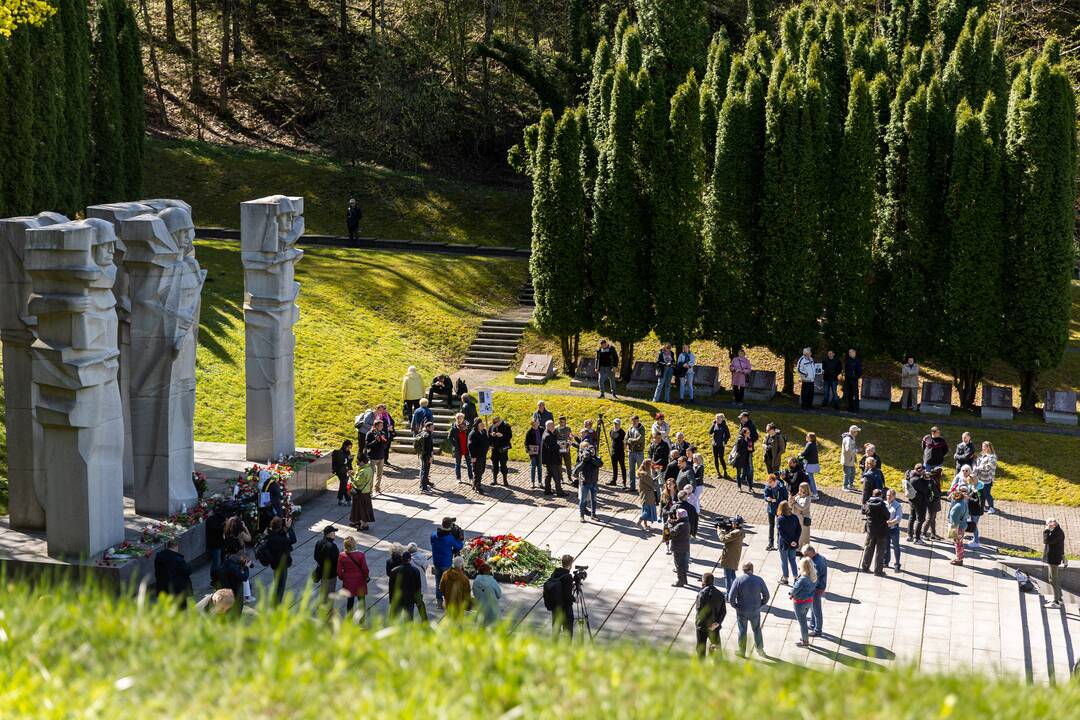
[(728, 523), (580, 574), (456, 530)]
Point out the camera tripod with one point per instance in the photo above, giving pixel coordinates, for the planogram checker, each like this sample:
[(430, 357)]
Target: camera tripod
[(581, 613)]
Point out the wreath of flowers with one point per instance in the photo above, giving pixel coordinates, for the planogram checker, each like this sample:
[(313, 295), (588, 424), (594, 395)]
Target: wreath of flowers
[(511, 558)]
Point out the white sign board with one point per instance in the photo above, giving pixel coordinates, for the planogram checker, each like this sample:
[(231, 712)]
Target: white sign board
[(485, 402)]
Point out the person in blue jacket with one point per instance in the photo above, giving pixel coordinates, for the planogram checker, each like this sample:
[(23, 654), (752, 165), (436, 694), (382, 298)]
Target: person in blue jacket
[(822, 567), (446, 542)]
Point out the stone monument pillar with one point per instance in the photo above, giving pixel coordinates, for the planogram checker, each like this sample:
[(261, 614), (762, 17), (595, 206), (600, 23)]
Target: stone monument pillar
[(165, 284), (26, 479), (115, 213), (77, 401), (269, 229)]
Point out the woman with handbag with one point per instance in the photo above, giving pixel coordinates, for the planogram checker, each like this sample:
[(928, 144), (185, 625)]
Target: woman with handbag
[(800, 508), (353, 572), (362, 513)]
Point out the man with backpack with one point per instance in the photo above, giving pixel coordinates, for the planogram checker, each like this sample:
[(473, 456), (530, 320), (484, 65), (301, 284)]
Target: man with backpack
[(711, 608), (559, 598), (276, 552)]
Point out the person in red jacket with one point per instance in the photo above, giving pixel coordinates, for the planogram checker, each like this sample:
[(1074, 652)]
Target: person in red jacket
[(353, 572)]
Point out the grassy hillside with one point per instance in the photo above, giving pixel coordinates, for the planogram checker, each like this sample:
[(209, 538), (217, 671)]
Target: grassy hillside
[(364, 318), (89, 655), (215, 179)]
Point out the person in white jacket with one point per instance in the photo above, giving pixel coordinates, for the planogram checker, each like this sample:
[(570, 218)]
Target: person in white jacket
[(849, 448), (807, 370)]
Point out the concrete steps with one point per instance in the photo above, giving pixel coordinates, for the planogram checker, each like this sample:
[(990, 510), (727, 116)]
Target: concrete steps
[(496, 344), (525, 295)]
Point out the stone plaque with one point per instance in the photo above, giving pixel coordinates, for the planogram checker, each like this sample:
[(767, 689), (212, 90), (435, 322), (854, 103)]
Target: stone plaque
[(535, 368), (876, 389), (936, 398), (706, 380), (997, 396), (585, 375), (762, 380), (643, 376), (1061, 401)]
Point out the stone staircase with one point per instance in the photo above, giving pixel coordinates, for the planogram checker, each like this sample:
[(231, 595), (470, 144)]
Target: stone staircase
[(444, 418), (496, 345), (525, 295)]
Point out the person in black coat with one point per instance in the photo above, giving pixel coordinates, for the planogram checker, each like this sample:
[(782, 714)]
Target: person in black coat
[(710, 610), (407, 589), (468, 409), (501, 435), (965, 452), (680, 546), (234, 573), (279, 544), (618, 452), (479, 444), (852, 373), (427, 451), (172, 575), (1053, 556), (551, 458), (691, 512), (326, 561), (918, 489), (877, 534), (720, 435), (562, 614), (353, 213), (830, 373), (341, 466), (215, 538)]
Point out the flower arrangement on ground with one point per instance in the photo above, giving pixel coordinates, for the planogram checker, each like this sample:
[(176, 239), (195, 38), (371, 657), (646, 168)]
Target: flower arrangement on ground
[(512, 559)]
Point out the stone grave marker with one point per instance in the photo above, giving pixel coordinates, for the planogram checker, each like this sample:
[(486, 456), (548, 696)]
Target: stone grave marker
[(936, 398), (535, 369), (876, 394), (761, 386), (706, 380), (643, 377), (1059, 407), (585, 375), (997, 402)]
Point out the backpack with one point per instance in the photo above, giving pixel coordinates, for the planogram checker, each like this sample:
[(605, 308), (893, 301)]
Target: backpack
[(262, 554), (418, 443), (460, 387), (553, 594), (1024, 581)]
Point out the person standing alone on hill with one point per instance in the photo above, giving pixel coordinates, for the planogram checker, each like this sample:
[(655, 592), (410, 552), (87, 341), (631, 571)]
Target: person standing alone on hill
[(1054, 557), (607, 361), (852, 373), (353, 214)]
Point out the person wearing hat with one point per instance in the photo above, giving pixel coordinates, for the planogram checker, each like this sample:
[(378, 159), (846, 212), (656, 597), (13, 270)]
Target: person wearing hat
[(406, 590), (326, 561), (618, 452), (849, 450), (680, 546)]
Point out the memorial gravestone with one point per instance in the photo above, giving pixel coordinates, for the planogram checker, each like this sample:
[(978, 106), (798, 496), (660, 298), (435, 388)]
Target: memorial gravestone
[(761, 385), (819, 385), (166, 285), (706, 380), (642, 377), (535, 369), (876, 394), (77, 400), (115, 214), (26, 479), (936, 398), (996, 402), (1059, 407), (269, 229), (585, 375)]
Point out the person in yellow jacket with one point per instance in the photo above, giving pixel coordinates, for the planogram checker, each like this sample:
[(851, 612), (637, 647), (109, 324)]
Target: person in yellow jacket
[(412, 388)]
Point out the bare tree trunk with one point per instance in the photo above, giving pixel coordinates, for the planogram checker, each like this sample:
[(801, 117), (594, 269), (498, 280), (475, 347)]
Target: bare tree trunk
[(237, 46), (170, 21), (196, 84), (158, 91), (789, 374), (1028, 391), (374, 27), (223, 72), (569, 346), (626, 363)]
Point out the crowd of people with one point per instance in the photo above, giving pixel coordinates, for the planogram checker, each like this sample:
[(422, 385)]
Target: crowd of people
[(663, 468)]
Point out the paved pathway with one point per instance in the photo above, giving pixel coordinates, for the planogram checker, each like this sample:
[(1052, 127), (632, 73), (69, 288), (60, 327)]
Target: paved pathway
[(933, 614)]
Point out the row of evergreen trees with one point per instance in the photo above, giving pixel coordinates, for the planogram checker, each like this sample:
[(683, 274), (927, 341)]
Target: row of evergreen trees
[(71, 110), (894, 184)]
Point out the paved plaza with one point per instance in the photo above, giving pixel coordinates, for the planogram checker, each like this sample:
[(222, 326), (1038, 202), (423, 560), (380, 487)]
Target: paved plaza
[(933, 614)]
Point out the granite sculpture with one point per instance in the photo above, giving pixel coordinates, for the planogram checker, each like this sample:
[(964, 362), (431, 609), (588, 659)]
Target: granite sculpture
[(26, 479), (77, 400), (115, 213), (269, 229), (165, 282)]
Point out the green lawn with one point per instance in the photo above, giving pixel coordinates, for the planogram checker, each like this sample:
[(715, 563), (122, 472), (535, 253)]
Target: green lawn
[(80, 654), (364, 318), (215, 179)]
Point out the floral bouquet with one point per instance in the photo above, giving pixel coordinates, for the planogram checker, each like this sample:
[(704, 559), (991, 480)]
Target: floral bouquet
[(512, 559), (124, 552)]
